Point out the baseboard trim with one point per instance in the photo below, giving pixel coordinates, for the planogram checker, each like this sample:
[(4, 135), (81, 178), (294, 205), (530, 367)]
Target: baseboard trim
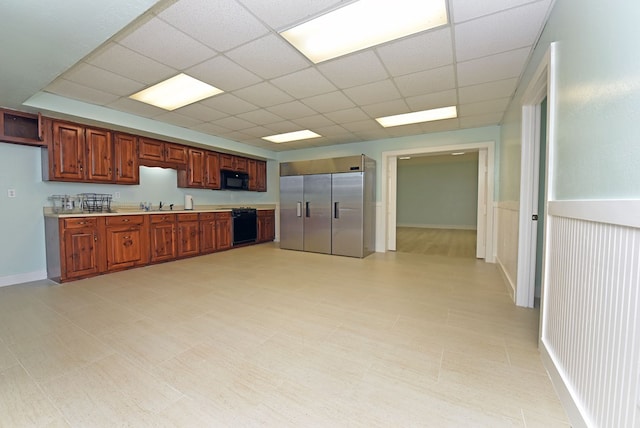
[(511, 286), (22, 278), (574, 413), (439, 226)]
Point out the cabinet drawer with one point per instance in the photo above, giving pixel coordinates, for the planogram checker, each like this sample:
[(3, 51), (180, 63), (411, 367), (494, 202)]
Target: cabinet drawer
[(124, 219), (222, 216), (162, 218), (75, 223), (207, 216), (188, 217), (266, 213)]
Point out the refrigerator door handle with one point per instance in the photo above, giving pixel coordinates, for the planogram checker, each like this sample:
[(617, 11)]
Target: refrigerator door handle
[(306, 209), (299, 209), (336, 210)]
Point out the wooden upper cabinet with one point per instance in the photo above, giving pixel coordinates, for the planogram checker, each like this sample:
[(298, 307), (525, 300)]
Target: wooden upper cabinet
[(99, 155), (233, 163), (252, 170), (66, 152), (176, 154), (21, 128), (211, 170), (127, 168), (162, 154), (152, 150), (195, 168), (261, 176)]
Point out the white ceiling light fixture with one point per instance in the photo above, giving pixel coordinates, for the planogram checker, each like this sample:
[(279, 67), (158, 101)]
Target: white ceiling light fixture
[(292, 136), (363, 24), (176, 92), (457, 153), (419, 116), (404, 157)]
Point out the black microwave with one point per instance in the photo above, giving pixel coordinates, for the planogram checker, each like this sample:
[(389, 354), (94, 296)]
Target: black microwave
[(232, 180)]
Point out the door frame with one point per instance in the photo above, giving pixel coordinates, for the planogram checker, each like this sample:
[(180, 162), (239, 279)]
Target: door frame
[(541, 86), (388, 192)]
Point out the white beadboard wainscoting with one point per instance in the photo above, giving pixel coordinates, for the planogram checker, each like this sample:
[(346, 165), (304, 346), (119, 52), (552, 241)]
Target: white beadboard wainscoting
[(507, 217), (590, 338)]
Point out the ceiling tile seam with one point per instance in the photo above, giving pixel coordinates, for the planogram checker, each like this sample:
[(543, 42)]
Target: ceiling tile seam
[(455, 68), (498, 12)]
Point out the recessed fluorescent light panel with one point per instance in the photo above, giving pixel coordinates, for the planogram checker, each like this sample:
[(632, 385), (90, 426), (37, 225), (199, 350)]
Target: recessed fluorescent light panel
[(363, 24), (419, 116), (176, 92), (292, 136)]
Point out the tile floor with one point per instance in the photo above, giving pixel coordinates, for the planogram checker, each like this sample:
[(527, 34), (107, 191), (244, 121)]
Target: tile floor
[(260, 336)]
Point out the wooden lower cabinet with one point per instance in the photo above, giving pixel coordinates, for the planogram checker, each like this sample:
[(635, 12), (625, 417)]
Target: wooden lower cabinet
[(266, 225), (126, 240), (81, 247), (162, 237), (223, 230), (188, 235)]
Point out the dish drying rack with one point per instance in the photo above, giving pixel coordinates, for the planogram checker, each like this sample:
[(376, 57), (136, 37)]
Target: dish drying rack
[(83, 202)]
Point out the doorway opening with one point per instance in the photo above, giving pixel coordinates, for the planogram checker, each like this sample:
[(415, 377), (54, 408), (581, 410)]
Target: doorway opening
[(388, 215)]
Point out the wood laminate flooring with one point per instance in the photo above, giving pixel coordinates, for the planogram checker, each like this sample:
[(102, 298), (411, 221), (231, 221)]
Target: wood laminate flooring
[(263, 337), (436, 242)]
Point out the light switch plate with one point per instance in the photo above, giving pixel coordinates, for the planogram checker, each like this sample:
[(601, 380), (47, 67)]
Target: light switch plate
[(11, 193)]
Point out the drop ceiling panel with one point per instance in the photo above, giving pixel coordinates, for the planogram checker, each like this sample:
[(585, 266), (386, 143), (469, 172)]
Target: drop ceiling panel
[(386, 108), (481, 120), (485, 36), (313, 122), (329, 102), (80, 92), (103, 80), (304, 83), (434, 100), (263, 95), (422, 52), (135, 107), (464, 10), (201, 112), (292, 110), (178, 119), (373, 93), (483, 107), (269, 56), (487, 91), (228, 103), (491, 68), (348, 115), (289, 12), (222, 24), (163, 43), (425, 82), (260, 117), (354, 70), (223, 73), (125, 62)]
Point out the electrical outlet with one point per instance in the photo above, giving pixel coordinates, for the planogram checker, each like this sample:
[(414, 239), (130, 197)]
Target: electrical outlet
[(11, 193), (116, 195)]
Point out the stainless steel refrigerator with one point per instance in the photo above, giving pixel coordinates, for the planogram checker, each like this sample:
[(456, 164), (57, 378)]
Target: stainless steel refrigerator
[(328, 206)]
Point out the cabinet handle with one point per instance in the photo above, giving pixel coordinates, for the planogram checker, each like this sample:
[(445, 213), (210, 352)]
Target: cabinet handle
[(125, 220), (95, 237), (126, 237), (82, 222)]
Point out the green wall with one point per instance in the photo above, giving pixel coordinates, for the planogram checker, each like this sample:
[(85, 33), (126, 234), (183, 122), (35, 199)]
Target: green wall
[(598, 103), (438, 191)]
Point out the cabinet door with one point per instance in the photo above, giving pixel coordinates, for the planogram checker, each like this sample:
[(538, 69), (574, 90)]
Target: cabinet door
[(252, 170), (99, 155), (226, 162), (66, 153), (208, 239), (163, 246), (81, 253), (223, 230), (195, 168), (152, 150), (270, 227), (125, 247), (175, 154), (127, 170), (240, 164), (188, 238), (212, 170), (261, 176)]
